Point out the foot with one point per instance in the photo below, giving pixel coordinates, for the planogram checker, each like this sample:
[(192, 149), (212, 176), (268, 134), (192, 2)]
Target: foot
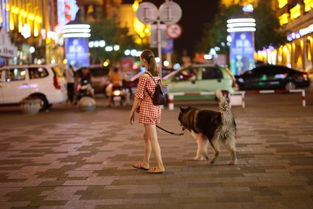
[(232, 162), (156, 170), (140, 165), (199, 158)]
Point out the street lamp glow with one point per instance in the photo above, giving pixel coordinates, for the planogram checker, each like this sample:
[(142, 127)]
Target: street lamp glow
[(166, 63), (176, 66), (127, 52), (32, 49), (133, 52), (116, 47), (91, 44), (157, 59), (102, 43), (138, 53), (109, 48), (96, 43)]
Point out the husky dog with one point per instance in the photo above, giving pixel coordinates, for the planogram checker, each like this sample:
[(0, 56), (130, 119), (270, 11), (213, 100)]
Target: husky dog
[(211, 127)]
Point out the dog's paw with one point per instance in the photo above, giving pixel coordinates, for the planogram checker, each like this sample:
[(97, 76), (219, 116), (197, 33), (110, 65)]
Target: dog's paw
[(232, 162), (212, 161)]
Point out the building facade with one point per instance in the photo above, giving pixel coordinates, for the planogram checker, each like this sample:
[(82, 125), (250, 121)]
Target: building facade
[(122, 11), (31, 25), (296, 16)]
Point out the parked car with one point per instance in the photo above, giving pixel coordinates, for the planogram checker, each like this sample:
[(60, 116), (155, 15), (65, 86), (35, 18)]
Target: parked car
[(199, 78), (44, 82), (272, 77), (131, 81), (99, 77)]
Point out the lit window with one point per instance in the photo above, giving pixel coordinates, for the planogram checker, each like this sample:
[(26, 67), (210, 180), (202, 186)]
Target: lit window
[(295, 12), (282, 3)]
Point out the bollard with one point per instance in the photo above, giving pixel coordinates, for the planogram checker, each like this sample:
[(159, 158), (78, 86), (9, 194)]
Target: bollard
[(31, 105), (87, 104), (171, 102)]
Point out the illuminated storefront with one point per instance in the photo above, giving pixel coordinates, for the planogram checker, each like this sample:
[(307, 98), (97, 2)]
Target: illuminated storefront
[(296, 17)]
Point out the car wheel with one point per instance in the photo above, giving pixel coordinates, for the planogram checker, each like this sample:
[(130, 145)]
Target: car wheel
[(44, 101), (290, 86)]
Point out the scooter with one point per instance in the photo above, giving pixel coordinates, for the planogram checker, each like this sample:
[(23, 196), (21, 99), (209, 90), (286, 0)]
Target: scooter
[(119, 96), (84, 90)]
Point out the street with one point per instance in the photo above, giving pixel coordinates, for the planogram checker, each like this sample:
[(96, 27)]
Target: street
[(69, 159)]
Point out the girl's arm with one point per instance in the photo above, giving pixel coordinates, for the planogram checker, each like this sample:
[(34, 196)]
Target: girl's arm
[(136, 104)]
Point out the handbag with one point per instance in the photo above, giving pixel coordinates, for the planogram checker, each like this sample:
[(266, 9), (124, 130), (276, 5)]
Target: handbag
[(159, 97)]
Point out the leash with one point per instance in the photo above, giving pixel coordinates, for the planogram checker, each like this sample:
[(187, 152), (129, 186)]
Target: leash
[(176, 134)]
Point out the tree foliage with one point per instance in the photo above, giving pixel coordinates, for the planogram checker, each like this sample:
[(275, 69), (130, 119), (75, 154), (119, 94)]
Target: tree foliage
[(268, 31), (109, 31), (215, 33)]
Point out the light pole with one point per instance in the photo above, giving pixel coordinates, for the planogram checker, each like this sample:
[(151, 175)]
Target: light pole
[(168, 13)]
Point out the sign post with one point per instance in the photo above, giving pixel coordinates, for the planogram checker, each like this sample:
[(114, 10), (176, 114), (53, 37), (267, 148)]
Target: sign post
[(168, 13)]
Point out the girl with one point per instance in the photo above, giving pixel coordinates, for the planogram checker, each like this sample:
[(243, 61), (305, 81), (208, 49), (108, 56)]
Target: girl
[(149, 114)]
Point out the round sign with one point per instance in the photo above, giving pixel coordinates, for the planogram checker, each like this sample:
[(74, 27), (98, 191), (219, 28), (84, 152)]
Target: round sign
[(174, 30), (147, 13), (170, 12)]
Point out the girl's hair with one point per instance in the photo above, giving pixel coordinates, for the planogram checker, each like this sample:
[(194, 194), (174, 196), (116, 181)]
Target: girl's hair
[(149, 57)]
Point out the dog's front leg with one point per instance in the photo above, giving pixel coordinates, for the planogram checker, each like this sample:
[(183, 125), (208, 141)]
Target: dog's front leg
[(202, 148), (198, 139), (198, 154)]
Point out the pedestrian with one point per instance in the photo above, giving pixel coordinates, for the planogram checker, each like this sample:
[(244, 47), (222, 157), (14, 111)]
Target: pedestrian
[(149, 114), (70, 78)]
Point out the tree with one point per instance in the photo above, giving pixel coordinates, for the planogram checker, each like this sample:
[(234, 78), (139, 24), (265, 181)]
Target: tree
[(215, 33), (267, 23), (112, 34)]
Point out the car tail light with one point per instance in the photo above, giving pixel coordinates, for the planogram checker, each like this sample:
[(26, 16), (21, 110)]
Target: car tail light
[(56, 83)]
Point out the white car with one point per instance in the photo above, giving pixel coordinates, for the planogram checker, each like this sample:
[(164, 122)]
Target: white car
[(45, 82)]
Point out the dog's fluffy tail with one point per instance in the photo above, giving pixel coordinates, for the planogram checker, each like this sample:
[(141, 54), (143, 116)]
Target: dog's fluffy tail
[(222, 101)]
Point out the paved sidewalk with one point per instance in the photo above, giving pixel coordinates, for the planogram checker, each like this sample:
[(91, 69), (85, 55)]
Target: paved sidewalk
[(77, 160)]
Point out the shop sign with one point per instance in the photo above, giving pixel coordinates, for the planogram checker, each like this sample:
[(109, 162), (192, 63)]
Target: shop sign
[(7, 49)]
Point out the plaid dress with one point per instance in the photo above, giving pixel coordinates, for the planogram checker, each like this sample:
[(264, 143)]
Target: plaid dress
[(149, 114)]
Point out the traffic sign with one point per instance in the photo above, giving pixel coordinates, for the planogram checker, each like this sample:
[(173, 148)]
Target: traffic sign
[(174, 30), (147, 13), (170, 12), (154, 35)]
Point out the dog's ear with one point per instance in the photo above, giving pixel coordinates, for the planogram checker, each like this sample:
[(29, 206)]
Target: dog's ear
[(184, 109)]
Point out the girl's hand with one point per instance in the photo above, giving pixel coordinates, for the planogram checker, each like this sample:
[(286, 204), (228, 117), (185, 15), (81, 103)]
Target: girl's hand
[(131, 118)]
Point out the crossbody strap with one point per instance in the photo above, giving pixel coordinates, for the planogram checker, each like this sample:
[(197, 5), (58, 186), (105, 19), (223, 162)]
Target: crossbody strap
[(153, 81)]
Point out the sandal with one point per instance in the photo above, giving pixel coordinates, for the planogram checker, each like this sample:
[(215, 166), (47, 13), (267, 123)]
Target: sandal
[(156, 170), (138, 165)]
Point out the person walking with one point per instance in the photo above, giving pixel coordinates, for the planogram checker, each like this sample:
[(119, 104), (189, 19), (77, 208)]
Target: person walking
[(149, 114), (70, 78)]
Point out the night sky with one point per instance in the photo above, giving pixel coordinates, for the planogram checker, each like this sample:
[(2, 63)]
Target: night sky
[(195, 14)]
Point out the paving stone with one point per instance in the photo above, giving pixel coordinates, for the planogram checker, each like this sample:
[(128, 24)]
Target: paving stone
[(55, 162)]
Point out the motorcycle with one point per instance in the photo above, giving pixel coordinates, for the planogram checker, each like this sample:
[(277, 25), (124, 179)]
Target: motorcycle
[(84, 90), (119, 96)]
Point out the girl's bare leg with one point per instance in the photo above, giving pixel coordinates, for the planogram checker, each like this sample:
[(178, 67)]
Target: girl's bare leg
[(153, 137), (147, 149)]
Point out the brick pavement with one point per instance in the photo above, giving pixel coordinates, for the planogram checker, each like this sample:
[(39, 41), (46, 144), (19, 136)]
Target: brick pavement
[(51, 161)]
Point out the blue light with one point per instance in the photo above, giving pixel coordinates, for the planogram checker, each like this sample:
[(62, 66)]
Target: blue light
[(248, 8)]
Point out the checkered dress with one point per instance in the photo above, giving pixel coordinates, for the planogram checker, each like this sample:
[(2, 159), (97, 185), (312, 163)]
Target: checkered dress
[(149, 114)]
